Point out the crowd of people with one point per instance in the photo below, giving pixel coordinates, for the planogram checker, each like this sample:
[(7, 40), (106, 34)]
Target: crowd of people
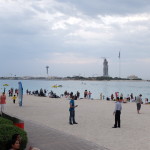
[(41, 92), (14, 144), (118, 106), (125, 99), (70, 95), (86, 95), (11, 92)]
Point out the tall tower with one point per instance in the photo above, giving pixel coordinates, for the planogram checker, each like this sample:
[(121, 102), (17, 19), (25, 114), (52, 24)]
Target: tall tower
[(105, 68), (47, 67)]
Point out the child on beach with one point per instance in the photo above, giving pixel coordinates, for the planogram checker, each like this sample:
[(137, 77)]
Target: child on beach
[(14, 98), (89, 95)]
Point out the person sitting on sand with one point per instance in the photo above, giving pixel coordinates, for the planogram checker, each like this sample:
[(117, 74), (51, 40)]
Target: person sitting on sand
[(125, 100)]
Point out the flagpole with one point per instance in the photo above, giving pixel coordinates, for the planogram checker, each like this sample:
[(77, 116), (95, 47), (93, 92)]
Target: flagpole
[(119, 66)]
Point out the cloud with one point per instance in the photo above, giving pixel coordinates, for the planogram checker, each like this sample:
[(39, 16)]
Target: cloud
[(75, 33), (110, 7), (68, 58)]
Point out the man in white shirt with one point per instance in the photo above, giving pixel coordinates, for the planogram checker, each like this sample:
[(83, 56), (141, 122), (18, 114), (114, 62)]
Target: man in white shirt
[(117, 112)]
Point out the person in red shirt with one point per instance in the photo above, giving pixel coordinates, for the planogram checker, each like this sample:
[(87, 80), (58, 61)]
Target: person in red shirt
[(2, 101)]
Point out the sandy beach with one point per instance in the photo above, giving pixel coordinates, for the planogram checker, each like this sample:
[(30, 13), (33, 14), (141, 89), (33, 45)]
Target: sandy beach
[(95, 120)]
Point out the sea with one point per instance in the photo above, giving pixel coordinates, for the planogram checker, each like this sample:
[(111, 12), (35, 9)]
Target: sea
[(95, 87)]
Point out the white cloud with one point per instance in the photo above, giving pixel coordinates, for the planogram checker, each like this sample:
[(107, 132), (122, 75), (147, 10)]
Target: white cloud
[(58, 32), (67, 58), (108, 20)]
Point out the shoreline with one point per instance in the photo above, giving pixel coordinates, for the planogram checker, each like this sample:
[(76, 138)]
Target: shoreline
[(73, 79)]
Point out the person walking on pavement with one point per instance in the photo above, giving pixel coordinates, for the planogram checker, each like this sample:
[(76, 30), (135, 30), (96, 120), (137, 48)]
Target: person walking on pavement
[(138, 103), (72, 112), (117, 112)]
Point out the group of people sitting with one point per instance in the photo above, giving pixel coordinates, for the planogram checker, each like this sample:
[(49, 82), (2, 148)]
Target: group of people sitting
[(37, 93), (69, 95), (51, 94), (129, 98)]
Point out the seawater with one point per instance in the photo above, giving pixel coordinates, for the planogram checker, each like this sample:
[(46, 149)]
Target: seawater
[(96, 87)]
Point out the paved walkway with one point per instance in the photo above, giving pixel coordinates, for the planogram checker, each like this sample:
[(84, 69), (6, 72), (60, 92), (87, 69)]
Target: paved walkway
[(47, 138)]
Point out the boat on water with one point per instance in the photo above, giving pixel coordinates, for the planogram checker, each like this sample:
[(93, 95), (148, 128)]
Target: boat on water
[(55, 86), (59, 85)]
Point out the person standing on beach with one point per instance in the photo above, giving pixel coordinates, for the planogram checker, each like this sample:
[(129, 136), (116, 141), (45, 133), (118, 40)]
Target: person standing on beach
[(117, 112), (78, 94), (2, 101), (112, 97), (14, 98), (89, 95), (138, 103), (72, 112), (101, 96), (85, 94)]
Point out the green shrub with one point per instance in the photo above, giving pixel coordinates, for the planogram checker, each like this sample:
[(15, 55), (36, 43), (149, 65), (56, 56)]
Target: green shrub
[(6, 132), (5, 121)]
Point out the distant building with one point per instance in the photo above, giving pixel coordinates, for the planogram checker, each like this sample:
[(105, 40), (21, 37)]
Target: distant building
[(105, 68), (133, 77)]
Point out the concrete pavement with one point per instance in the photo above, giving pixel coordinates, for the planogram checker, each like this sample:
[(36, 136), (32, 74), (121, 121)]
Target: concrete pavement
[(46, 138)]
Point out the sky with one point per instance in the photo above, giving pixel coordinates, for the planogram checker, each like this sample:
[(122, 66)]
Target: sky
[(73, 37)]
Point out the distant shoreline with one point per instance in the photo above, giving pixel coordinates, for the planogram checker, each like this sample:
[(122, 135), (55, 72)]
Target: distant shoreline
[(73, 78)]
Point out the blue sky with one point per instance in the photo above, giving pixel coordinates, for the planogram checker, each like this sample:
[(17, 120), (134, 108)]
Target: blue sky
[(72, 37)]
